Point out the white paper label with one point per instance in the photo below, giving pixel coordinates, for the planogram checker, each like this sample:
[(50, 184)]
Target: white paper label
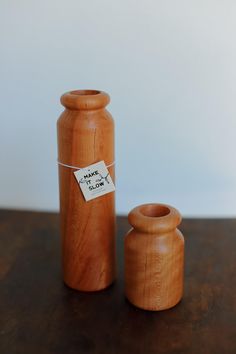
[(94, 180)]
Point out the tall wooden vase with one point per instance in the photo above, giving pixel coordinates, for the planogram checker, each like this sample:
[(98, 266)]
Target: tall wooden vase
[(154, 257), (85, 136)]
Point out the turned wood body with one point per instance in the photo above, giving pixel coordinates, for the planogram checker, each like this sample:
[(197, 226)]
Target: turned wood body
[(85, 136), (154, 257)]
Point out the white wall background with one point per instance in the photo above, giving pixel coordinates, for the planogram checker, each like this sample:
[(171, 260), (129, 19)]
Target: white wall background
[(170, 68)]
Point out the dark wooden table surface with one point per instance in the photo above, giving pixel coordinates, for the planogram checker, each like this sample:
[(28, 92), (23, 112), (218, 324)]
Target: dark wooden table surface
[(40, 315)]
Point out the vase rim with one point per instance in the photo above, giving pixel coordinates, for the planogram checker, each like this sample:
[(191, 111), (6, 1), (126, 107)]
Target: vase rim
[(86, 99), (154, 218)]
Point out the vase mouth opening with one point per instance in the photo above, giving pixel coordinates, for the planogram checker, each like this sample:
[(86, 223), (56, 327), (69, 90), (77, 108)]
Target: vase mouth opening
[(154, 210), (85, 92), (85, 100), (154, 218)]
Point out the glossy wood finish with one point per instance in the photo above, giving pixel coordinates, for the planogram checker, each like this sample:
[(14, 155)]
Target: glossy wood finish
[(40, 315), (154, 257), (86, 136)]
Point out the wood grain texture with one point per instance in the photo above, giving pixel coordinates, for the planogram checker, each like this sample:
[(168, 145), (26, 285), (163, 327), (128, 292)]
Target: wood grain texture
[(40, 315), (86, 136), (154, 257)]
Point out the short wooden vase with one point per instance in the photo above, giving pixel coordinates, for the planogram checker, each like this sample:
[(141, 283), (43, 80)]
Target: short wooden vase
[(154, 257)]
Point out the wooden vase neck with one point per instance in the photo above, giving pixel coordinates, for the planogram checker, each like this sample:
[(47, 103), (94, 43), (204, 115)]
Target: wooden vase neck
[(155, 219), (85, 100)]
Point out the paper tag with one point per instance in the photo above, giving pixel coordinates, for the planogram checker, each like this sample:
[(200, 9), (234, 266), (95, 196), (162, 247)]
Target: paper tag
[(94, 180)]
